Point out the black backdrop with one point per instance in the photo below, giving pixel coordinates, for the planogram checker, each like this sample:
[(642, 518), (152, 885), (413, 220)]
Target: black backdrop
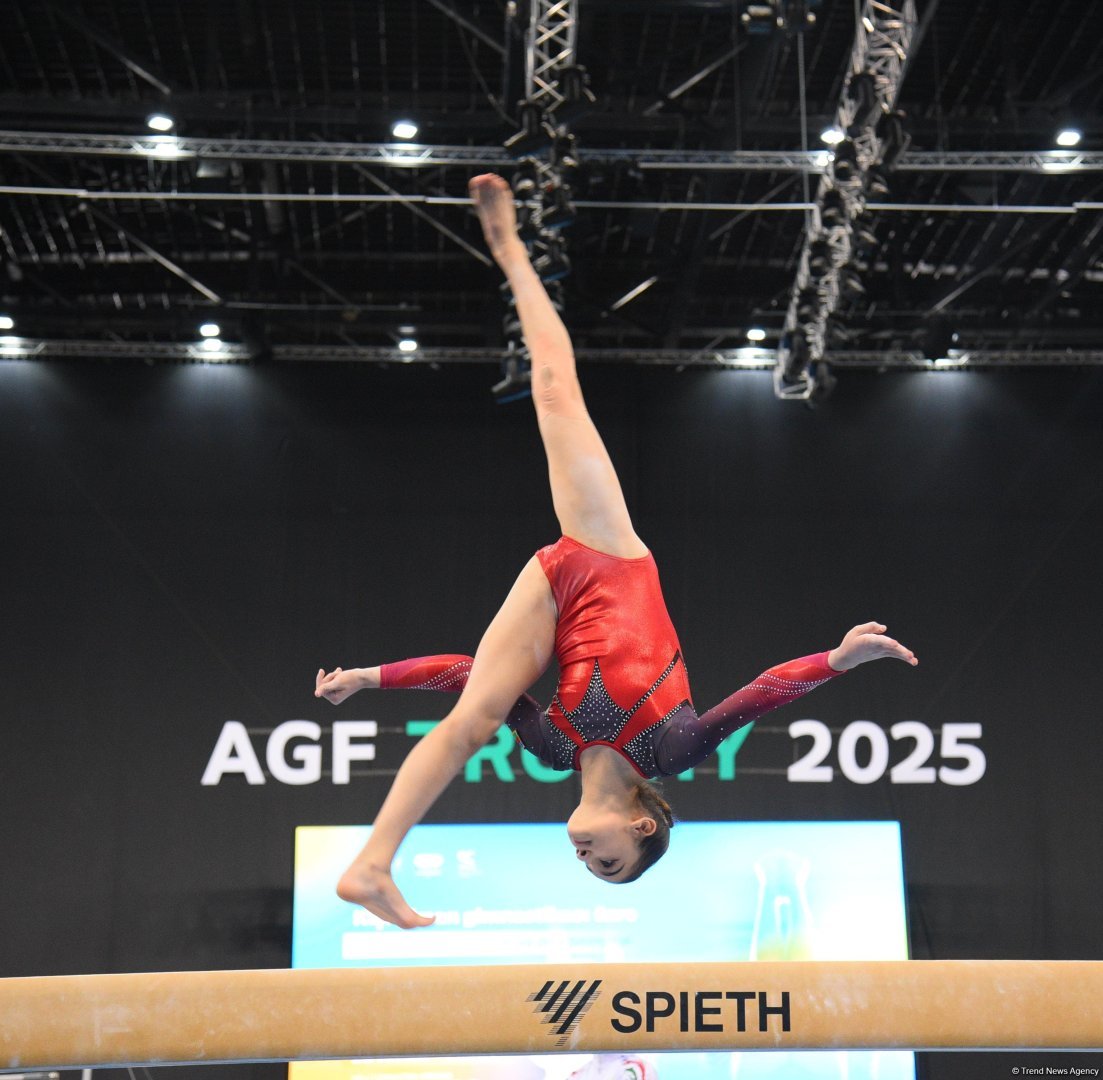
[(186, 545)]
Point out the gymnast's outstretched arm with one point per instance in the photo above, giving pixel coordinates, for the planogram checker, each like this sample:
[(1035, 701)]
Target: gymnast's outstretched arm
[(688, 739)]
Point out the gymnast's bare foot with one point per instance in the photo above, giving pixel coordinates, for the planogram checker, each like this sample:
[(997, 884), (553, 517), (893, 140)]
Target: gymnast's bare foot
[(374, 889), (493, 200)]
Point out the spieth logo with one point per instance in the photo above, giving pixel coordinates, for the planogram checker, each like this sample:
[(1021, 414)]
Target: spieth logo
[(564, 1004)]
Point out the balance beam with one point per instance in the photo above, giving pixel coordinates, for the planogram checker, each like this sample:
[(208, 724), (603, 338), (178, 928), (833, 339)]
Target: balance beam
[(220, 1016)]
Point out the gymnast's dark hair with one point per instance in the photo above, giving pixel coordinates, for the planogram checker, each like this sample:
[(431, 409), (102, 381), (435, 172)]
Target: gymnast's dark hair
[(652, 848)]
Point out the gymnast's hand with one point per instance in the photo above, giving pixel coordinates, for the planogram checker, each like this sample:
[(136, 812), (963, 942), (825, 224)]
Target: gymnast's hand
[(868, 642), (340, 684), (373, 888), (493, 200)]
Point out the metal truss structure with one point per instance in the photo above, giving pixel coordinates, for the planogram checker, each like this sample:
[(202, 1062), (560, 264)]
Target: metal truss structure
[(550, 46), (420, 156), (747, 359), (883, 35)]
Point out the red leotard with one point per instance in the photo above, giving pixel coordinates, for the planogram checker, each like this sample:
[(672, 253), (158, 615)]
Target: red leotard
[(622, 681), (620, 665)]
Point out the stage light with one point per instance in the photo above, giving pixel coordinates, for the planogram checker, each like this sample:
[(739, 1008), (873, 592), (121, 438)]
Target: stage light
[(1069, 137), (404, 129), (527, 177), (164, 146), (574, 85), (793, 356), (851, 284), (894, 139), (834, 213), (553, 265), (535, 134), (862, 91), (819, 258), (756, 333), (517, 381), (845, 165), (560, 212), (210, 330), (529, 228), (7, 322), (809, 305), (407, 345), (160, 122), (761, 18), (832, 136), (876, 184)]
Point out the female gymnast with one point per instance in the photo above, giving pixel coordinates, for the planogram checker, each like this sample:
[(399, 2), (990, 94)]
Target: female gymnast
[(622, 711)]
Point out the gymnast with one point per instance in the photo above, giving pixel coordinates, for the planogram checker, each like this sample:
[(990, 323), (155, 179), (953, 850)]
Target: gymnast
[(622, 711)]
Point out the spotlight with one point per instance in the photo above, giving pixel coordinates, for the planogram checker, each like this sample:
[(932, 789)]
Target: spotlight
[(862, 92), (832, 136), (7, 322), (517, 381), (793, 356), (526, 180), (756, 333), (876, 184), (819, 258), (407, 345), (761, 18), (808, 305), (1069, 137), (553, 265), (160, 122), (845, 165), (834, 212), (528, 223), (561, 211), (851, 284), (574, 85), (210, 330), (166, 147), (894, 139), (864, 238), (404, 129), (535, 134), (564, 153)]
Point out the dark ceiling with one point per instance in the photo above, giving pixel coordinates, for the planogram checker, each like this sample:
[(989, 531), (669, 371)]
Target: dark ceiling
[(987, 75)]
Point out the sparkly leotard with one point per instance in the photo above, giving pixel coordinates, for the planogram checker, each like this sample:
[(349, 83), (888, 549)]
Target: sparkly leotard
[(622, 682)]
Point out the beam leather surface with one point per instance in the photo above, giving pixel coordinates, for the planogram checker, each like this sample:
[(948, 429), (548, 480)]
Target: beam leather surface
[(219, 1016)]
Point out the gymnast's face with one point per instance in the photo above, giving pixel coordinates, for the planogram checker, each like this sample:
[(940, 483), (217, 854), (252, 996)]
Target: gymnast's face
[(608, 841)]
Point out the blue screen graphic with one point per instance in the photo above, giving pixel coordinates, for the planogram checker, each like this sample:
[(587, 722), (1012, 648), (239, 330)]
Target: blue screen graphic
[(514, 893)]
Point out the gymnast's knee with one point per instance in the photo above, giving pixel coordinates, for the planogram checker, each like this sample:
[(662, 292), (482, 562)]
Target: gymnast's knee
[(556, 391)]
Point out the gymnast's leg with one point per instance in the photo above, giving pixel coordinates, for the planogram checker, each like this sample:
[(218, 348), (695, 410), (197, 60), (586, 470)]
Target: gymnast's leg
[(586, 493), (513, 654)]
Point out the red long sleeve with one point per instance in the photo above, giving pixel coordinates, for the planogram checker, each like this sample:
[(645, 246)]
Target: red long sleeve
[(447, 672)]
